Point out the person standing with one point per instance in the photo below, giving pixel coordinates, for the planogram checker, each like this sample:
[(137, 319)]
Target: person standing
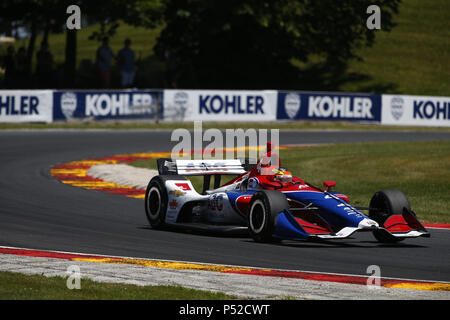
[(104, 58), (22, 68), (44, 67), (126, 59), (10, 64)]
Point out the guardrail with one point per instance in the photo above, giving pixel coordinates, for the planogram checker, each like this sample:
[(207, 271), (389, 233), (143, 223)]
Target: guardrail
[(222, 105)]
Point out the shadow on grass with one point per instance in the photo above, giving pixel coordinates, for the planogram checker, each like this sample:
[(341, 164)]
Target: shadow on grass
[(321, 77), (149, 74)]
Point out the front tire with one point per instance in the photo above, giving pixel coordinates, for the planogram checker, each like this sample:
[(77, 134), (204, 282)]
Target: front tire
[(386, 203), (263, 210)]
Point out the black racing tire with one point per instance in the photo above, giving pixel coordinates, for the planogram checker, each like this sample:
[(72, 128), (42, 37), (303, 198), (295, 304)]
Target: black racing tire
[(263, 210), (156, 200), (384, 204)]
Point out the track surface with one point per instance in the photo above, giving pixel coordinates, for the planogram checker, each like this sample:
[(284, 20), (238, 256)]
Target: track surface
[(36, 211)]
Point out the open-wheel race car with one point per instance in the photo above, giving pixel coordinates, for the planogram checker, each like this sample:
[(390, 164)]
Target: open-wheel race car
[(265, 199)]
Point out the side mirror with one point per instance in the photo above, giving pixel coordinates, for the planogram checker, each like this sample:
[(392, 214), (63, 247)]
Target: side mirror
[(329, 184)]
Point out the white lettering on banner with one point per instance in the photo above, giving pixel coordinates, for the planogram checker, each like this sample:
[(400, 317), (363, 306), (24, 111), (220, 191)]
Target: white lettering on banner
[(340, 107), (69, 104), (26, 106), (292, 104), (118, 104)]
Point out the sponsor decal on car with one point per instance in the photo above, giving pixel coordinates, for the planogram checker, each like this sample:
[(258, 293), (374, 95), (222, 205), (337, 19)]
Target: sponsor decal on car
[(216, 202), (177, 193), (173, 204), (183, 186)]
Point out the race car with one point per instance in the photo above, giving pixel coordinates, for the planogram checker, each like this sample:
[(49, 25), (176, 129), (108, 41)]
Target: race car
[(266, 201)]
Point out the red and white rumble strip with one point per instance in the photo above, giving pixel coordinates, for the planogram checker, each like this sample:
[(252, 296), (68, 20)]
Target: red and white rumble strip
[(240, 281), (96, 174)]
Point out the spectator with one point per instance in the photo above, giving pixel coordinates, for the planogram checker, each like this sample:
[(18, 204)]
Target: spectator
[(104, 57), (9, 64), (22, 68), (126, 58), (44, 67), (171, 70)]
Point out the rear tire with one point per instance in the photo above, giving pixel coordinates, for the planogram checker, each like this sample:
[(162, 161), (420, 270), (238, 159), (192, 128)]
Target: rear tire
[(156, 200), (387, 203), (263, 210)]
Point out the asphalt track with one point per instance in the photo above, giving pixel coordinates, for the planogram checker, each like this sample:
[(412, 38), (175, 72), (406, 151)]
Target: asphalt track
[(37, 211)]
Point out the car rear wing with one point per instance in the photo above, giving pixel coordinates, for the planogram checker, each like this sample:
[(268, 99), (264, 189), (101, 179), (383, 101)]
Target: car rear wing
[(201, 167), (205, 168)]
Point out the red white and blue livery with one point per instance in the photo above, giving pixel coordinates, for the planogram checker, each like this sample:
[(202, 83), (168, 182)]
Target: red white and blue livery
[(268, 202)]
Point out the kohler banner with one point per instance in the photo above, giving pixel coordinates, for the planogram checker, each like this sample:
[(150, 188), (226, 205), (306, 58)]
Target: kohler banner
[(220, 105), (416, 110), (100, 105), (26, 106), (328, 106)]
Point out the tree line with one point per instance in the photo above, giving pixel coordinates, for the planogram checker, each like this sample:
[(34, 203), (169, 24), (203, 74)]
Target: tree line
[(248, 44)]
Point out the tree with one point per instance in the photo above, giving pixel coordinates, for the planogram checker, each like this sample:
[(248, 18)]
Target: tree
[(252, 44), (45, 16), (37, 16)]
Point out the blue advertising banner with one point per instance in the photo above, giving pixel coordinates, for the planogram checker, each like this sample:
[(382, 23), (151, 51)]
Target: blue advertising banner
[(100, 105), (328, 106)]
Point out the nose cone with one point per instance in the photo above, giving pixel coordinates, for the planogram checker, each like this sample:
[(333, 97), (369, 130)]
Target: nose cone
[(367, 224)]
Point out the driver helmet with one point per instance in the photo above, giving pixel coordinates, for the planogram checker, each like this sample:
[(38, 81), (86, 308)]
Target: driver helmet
[(282, 174)]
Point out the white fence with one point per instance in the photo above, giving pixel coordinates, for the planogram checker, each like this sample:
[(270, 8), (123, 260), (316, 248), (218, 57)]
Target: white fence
[(222, 105)]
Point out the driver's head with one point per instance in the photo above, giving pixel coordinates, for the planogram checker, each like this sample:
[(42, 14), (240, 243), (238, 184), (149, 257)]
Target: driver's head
[(282, 174)]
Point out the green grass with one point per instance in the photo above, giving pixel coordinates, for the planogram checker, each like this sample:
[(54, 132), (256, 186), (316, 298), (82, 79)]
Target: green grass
[(288, 125), (17, 286), (150, 70), (143, 41), (413, 58), (420, 169)]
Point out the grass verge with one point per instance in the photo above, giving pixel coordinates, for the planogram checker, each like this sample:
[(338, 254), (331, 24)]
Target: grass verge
[(420, 169), (17, 286), (281, 125), (412, 58)]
